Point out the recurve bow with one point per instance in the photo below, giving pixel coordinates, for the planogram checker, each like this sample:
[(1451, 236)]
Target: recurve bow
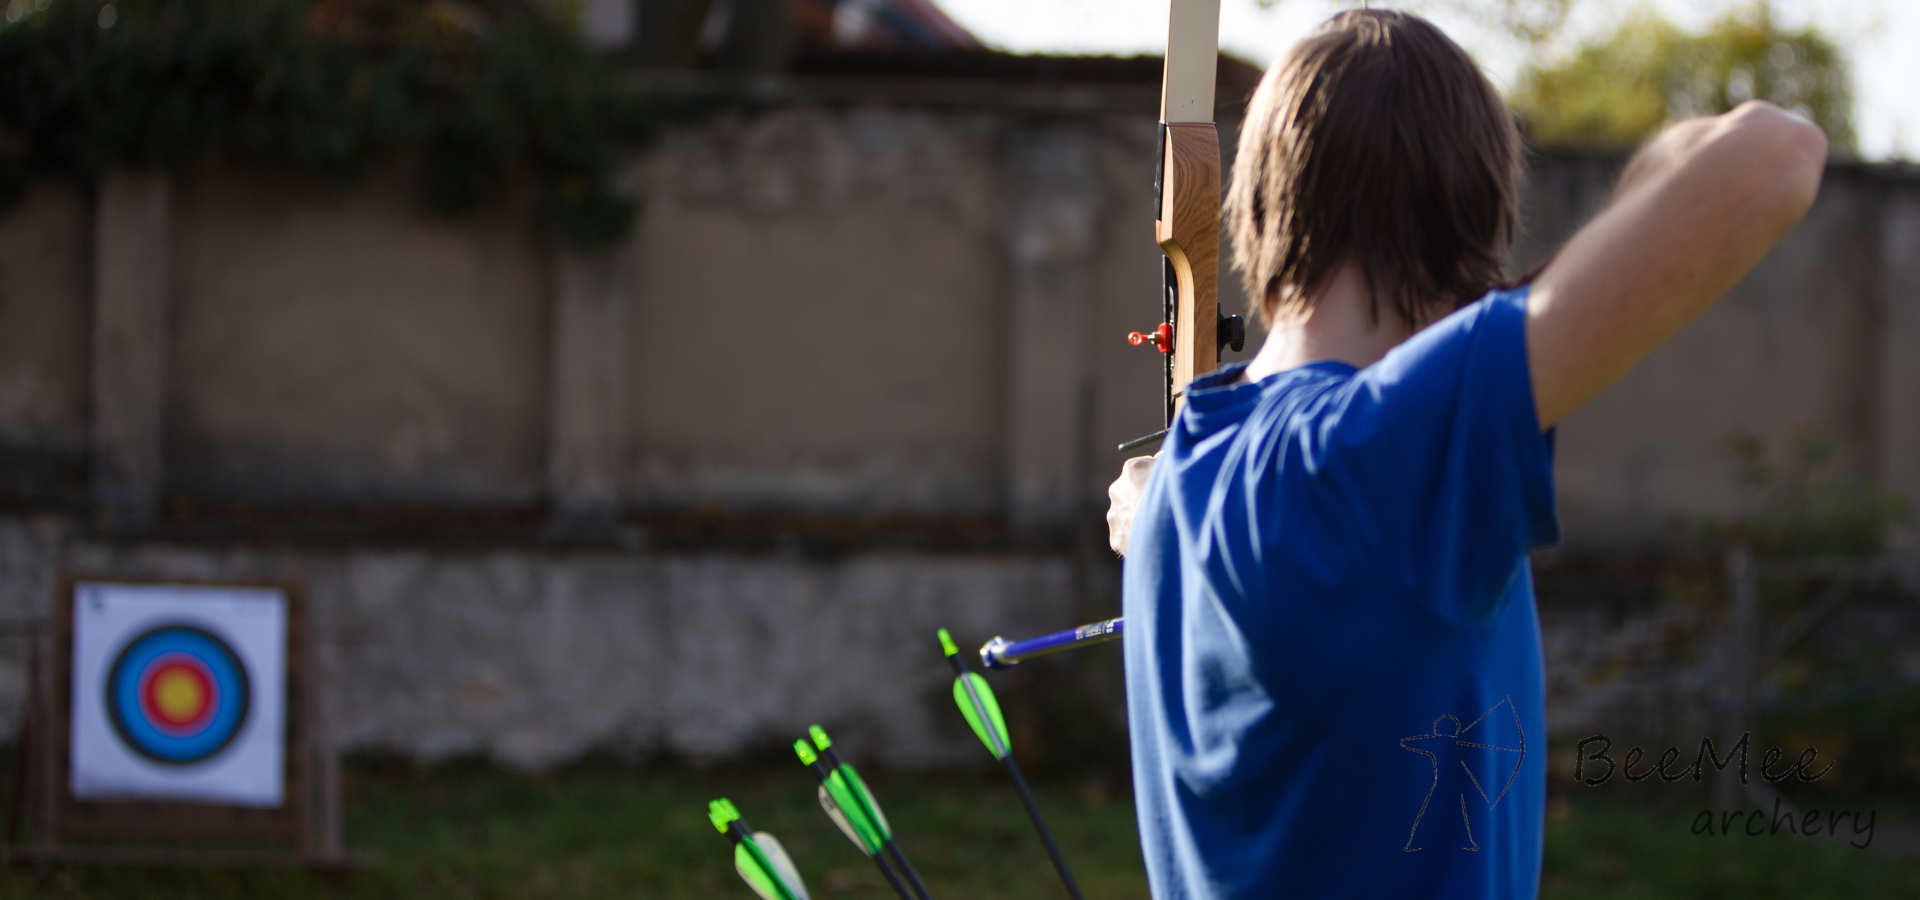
[(1187, 227), (1187, 209)]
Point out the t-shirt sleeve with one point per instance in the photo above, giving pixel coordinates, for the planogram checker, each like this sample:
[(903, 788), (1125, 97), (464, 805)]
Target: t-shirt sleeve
[(1438, 449)]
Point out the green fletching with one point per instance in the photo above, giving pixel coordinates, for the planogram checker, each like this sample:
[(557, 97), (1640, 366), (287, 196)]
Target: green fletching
[(847, 818), (844, 799), (976, 701), (782, 864), (756, 874), (764, 865), (855, 811), (864, 797), (860, 793)]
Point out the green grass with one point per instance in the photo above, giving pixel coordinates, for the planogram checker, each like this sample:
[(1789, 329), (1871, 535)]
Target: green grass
[(604, 832), (1607, 849)]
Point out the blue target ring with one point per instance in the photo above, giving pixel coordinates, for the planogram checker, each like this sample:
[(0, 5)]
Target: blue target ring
[(189, 659)]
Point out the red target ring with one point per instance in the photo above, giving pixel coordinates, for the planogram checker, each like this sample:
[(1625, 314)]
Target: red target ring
[(178, 694)]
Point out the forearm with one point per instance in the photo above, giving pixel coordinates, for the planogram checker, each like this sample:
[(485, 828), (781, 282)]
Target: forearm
[(1662, 153), (1658, 155), (1686, 141), (1695, 210)]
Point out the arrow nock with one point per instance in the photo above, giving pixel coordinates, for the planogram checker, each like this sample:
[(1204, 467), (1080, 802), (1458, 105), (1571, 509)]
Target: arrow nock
[(722, 813)]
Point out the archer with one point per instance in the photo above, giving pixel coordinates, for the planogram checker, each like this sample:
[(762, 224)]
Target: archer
[(1331, 549)]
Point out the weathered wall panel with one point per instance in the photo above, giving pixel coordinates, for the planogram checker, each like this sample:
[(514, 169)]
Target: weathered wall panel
[(45, 260), (850, 310), (814, 315), (333, 343), (822, 322)]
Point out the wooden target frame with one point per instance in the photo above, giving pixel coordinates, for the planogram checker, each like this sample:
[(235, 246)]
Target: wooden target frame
[(304, 830)]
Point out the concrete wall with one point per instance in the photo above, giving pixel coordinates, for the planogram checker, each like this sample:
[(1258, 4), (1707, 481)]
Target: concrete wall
[(44, 291), (330, 344), (819, 311), (831, 311), (533, 657), (900, 328), (45, 329)]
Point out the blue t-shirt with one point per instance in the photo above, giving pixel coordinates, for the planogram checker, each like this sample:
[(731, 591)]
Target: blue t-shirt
[(1333, 665)]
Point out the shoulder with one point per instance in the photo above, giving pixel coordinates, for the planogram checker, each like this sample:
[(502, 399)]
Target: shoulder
[(1499, 316)]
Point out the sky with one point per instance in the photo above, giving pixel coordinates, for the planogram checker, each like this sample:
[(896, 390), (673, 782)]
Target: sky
[(1881, 39)]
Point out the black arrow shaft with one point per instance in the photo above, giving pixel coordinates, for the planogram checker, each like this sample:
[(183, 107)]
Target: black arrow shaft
[(892, 879), (1040, 825), (833, 763), (906, 868), (825, 774)]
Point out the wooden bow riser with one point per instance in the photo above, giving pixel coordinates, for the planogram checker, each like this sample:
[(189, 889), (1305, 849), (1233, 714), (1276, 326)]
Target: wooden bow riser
[(1188, 231)]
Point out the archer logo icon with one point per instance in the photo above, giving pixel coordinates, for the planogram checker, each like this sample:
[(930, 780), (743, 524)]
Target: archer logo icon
[(1473, 766)]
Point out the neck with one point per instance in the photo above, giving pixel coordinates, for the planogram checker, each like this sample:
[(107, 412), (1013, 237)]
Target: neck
[(1334, 324)]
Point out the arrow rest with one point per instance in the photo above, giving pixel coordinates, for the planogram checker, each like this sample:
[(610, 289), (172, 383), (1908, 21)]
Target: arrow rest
[(1231, 334)]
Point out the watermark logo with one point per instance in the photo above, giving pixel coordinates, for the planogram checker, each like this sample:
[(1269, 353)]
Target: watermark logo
[(1473, 767), (1594, 765)]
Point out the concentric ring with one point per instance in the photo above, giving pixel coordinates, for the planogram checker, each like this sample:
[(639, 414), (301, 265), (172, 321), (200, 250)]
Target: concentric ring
[(177, 694)]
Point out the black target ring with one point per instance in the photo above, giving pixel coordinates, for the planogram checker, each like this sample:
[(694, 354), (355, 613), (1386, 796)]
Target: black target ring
[(177, 694)]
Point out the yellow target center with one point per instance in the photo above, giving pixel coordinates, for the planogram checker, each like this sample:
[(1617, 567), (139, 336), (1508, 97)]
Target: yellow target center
[(178, 695)]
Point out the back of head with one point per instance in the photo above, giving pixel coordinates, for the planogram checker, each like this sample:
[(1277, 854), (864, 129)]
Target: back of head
[(1375, 141)]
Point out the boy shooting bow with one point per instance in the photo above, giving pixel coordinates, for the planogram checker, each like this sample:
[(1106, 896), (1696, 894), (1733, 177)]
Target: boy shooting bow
[(1334, 677)]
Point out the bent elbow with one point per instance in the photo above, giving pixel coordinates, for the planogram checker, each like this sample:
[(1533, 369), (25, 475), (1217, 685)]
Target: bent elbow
[(1792, 157), (1805, 149)]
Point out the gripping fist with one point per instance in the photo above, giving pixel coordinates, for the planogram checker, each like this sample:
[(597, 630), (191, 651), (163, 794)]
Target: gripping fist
[(1123, 495)]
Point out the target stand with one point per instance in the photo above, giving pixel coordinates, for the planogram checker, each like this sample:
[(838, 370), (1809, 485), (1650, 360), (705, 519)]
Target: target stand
[(179, 722)]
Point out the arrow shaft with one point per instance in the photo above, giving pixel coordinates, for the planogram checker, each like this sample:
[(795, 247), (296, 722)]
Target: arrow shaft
[(997, 743), (846, 799), (856, 832), (857, 790), (893, 879), (1040, 825), (1001, 653), (906, 868), (871, 809)]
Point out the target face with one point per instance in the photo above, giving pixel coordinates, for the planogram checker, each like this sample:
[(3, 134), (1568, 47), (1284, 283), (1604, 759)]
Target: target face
[(177, 694)]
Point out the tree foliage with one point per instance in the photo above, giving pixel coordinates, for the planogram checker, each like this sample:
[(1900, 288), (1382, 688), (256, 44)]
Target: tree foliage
[(1531, 22), (473, 94), (1619, 89)]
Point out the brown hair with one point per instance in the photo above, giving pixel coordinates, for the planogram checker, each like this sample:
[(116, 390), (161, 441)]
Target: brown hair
[(1375, 140)]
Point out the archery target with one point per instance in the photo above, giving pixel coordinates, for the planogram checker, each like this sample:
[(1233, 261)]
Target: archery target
[(178, 693)]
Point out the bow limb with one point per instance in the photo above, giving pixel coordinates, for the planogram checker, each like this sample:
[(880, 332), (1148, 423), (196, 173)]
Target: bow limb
[(1187, 227), (1187, 217)]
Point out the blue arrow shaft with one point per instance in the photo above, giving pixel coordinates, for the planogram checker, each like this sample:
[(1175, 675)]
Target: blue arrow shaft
[(1000, 653)]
